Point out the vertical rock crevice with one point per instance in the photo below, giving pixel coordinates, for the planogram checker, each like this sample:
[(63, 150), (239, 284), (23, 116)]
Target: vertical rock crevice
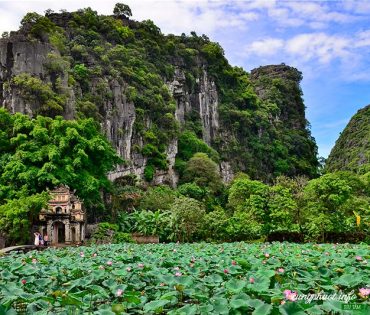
[(9, 60)]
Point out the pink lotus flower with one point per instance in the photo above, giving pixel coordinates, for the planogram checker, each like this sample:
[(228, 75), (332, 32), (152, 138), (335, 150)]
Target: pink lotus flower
[(233, 262), (281, 270), (34, 260), (174, 250), (359, 258), (264, 262), (364, 292), (191, 265), (101, 267), (267, 255), (128, 269), (119, 292), (192, 259), (24, 281), (161, 284), (95, 254), (251, 280), (290, 295), (178, 274), (82, 254), (282, 302), (109, 263), (176, 268), (140, 265), (226, 271)]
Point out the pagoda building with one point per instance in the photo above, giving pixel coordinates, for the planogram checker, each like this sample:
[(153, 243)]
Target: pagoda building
[(64, 220)]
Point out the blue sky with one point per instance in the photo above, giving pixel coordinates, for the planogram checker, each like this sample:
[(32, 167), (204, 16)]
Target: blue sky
[(329, 41)]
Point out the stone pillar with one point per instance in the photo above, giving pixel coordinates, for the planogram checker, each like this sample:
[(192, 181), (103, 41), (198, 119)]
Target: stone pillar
[(2, 242), (67, 235), (48, 230), (78, 233), (51, 232), (82, 232)]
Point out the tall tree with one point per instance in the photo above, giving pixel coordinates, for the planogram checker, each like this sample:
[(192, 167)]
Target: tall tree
[(121, 9), (41, 153), (201, 170)]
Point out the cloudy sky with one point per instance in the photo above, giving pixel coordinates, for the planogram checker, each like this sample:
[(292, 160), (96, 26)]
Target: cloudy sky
[(329, 41)]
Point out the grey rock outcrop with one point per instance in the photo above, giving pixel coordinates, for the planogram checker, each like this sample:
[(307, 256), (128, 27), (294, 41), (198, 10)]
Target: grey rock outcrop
[(19, 55)]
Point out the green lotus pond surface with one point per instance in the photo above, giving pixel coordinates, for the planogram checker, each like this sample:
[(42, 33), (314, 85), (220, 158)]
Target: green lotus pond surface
[(199, 278)]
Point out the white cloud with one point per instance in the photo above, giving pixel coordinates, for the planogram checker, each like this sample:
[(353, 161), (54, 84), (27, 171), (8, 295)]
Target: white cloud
[(363, 39), (313, 14), (318, 45), (256, 4), (361, 7), (317, 25), (342, 56), (265, 47), (171, 16), (249, 16)]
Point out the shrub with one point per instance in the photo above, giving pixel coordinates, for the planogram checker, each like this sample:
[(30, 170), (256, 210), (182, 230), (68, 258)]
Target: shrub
[(192, 190), (204, 172), (215, 227), (157, 198), (187, 218), (81, 72), (109, 233), (149, 172), (189, 144), (150, 223), (39, 94)]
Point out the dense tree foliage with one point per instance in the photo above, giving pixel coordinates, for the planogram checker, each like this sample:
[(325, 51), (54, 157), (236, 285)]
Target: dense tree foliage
[(17, 216), (202, 171), (42, 153), (330, 208), (188, 145)]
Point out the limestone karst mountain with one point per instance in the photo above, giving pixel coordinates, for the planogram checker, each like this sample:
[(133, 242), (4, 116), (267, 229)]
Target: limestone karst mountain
[(158, 97), (352, 149)]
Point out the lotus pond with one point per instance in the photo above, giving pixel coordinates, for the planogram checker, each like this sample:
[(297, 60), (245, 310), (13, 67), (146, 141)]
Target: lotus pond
[(234, 278)]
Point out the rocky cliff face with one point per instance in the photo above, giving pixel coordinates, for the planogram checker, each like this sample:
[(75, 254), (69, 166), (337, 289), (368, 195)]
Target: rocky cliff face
[(280, 84), (145, 89), (352, 149), (19, 55)]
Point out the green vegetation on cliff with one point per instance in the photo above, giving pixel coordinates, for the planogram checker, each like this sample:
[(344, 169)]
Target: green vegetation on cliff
[(262, 127), (352, 149)]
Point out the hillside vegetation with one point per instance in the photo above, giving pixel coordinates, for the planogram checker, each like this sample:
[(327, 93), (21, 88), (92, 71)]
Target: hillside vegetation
[(149, 91), (352, 149)]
